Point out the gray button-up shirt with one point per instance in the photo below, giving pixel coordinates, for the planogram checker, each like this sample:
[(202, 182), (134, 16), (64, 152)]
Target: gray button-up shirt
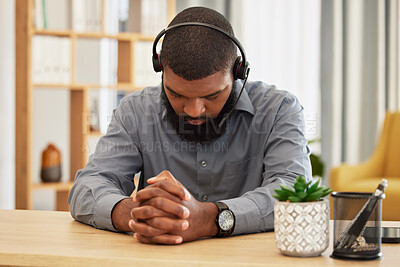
[(264, 146)]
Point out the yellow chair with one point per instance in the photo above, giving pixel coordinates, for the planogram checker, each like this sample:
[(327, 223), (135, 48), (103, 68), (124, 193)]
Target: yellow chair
[(384, 163)]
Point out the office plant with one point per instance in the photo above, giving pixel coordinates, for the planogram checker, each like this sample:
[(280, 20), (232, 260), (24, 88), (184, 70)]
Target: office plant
[(301, 218)]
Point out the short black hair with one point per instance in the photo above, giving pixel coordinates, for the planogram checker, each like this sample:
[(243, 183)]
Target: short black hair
[(196, 52)]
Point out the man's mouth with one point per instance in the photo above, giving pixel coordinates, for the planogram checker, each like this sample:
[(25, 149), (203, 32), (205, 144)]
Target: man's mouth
[(195, 121)]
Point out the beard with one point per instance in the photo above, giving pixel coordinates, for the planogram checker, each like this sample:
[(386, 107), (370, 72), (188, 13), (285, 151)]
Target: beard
[(205, 132)]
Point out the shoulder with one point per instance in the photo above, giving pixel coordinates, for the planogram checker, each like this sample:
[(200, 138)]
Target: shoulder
[(147, 99), (265, 97), (144, 96), (139, 106)]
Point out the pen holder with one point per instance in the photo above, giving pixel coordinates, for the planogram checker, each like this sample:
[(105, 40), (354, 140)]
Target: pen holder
[(349, 208)]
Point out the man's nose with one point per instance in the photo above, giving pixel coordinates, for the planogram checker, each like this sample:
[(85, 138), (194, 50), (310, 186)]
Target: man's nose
[(194, 107)]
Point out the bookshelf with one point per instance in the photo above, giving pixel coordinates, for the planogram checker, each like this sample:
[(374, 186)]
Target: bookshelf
[(26, 31)]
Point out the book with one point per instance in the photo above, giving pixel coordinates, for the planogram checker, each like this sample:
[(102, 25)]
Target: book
[(147, 17), (143, 71), (37, 62), (51, 60), (38, 20), (57, 14), (86, 15), (78, 15), (111, 13)]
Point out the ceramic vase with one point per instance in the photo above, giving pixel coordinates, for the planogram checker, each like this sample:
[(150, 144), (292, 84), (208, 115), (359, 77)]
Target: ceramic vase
[(51, 164), (302, 228)]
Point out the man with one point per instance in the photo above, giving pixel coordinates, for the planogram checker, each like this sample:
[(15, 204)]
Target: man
[(209, 157)]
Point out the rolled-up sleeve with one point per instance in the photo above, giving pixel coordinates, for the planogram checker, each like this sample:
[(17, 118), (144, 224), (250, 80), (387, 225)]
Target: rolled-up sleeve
[(109, 175), (286, 155)]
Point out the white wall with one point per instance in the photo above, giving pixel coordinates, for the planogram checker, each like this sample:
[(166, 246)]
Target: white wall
[(282, 40), (7, 105)]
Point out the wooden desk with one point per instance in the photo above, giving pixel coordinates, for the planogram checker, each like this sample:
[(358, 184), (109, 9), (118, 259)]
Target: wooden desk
[(54, 238)]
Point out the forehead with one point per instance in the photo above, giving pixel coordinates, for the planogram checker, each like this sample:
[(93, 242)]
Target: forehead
[(209, 85)]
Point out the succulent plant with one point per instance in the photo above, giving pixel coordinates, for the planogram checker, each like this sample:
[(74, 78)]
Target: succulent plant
[(302, 191)]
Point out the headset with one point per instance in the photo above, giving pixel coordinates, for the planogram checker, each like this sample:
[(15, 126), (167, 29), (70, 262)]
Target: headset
[(240, 67)]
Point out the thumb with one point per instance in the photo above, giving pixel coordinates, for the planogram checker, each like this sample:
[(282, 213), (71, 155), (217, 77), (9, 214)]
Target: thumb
[(162, 176)]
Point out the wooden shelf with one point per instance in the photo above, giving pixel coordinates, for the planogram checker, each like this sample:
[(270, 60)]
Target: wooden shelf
[(96, 35), (25, 32), (65, 33), (60, 86), (119, 86)]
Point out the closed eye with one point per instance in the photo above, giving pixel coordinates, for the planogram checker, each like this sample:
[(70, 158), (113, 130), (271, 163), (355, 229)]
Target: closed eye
[(175, 95), (211, 98)]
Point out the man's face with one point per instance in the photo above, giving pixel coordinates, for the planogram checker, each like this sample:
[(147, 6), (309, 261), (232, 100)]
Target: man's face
[(196, 107)]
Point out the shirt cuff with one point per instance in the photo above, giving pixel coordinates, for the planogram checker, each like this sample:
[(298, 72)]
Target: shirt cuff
[(248, 217), (104, 208)]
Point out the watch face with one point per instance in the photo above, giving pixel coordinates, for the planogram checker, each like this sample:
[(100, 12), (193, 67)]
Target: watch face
[(226, 220)]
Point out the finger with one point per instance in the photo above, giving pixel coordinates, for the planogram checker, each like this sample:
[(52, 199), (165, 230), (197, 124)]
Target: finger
[(160, 239), (164, 175), (167, 176), (147, 212), (168, 224), (157, 179), (145, 229), (172, 188), (154, 191), (169, 206)]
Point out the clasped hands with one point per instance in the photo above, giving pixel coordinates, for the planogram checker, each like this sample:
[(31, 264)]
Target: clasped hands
[(168, 214)]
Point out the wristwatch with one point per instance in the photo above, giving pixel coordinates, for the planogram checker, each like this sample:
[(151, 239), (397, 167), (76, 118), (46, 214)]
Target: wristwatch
[(225, 220)]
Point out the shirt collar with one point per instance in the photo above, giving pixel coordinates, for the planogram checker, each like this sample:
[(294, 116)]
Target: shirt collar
[(244, 102)]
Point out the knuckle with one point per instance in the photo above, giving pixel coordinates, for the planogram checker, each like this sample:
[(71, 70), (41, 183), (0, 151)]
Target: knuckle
[(177, 225), (179, 211), (158, 201), (162, 184), (165, 172), (158, 224), (147, 212), (141, 195), (148, 231), (133, 214)]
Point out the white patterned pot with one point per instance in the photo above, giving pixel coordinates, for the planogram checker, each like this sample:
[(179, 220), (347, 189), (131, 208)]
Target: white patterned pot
[(302, 228)]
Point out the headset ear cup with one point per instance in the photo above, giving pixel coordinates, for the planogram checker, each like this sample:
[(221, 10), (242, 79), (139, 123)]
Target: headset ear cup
[(236, 65), (242, 73), (239, 69), (157, 65)]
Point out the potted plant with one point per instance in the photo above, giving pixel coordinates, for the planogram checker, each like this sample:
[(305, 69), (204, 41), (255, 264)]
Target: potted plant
[(301, 218)]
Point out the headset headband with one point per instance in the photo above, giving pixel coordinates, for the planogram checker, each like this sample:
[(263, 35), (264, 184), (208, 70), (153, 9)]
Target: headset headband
[(241, 65)]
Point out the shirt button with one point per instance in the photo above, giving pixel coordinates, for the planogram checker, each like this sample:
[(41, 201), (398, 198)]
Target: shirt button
[(205, 198), (204, 163)]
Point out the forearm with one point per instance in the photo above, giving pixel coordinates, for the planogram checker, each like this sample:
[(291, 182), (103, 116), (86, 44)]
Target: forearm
[(92, 199), (121, 214)]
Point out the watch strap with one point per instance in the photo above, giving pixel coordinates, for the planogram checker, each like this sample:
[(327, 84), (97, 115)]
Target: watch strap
[(221, 206)]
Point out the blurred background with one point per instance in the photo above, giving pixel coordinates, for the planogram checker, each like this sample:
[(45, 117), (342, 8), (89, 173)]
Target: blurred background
[(340, 58)]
